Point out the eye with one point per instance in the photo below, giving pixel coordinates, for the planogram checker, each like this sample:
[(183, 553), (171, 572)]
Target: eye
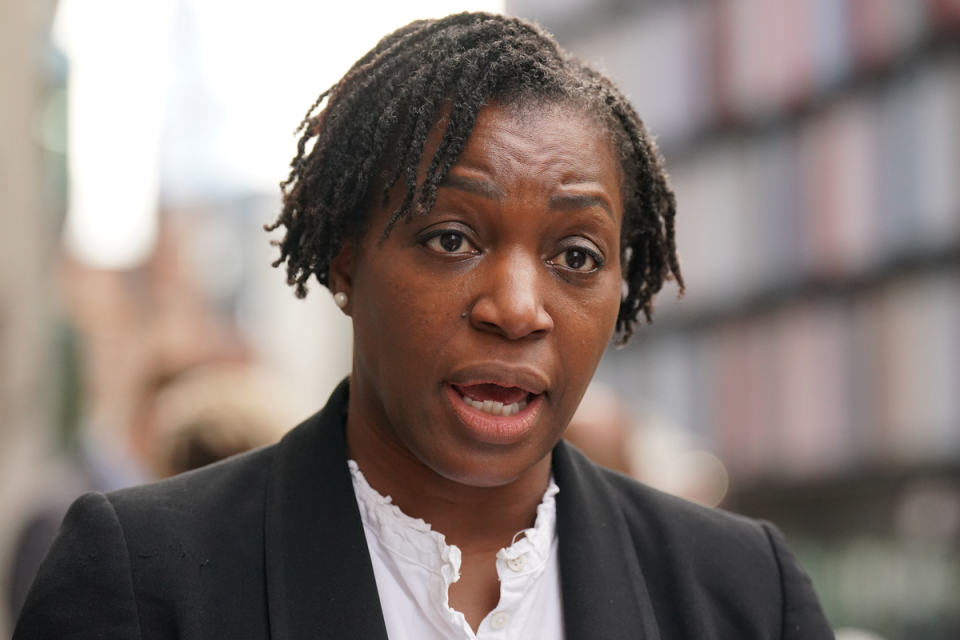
[(576, 259), (450, 242)]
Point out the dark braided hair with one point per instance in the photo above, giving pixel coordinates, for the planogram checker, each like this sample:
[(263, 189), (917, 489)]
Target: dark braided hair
[(374, 126)]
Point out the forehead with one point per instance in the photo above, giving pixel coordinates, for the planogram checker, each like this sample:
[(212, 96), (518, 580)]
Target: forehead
[(553, 143)]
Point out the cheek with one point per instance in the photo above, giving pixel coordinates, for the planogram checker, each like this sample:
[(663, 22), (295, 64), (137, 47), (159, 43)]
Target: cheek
[(590, 318), (584, 326), (401, 318)]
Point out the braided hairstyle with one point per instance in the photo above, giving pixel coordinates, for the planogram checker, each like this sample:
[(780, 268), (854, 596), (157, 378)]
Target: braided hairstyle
[(372, 131)]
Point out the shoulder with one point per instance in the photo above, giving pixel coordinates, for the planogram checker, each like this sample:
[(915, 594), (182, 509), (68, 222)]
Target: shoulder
[(216, 510), (659, 520), (708, 573), (705, 559), (223, 486), (692, 544), (661, 517), (183, 552), (84, 582)]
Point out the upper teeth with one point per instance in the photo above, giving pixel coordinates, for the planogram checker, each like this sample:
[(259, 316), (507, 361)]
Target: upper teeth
[(496, 408)]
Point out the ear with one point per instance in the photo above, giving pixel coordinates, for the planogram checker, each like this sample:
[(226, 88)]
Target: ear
[(341, 273)]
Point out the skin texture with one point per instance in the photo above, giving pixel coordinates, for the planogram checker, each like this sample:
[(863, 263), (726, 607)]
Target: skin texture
[(506, 305)]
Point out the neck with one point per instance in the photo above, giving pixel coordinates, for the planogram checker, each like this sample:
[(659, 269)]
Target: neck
[(476, 519)]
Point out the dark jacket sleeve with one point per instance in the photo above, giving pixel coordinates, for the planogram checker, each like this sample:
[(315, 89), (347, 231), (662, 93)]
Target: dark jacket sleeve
[(803, 619), (84, 587)]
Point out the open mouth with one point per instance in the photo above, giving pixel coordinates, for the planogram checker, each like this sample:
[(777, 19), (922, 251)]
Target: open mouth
[(495, 413), (494, 399)]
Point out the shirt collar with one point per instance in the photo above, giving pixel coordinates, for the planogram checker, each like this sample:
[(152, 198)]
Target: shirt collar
[(414, 539)]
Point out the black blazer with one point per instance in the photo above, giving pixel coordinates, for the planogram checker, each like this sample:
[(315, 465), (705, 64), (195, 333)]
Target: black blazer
[(270, 544)]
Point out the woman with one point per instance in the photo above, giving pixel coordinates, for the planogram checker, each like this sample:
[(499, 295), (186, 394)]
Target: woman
[(488, 211)]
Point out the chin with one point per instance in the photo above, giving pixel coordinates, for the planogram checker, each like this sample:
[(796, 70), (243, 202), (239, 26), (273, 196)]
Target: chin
[(484, 476), (484, 465)]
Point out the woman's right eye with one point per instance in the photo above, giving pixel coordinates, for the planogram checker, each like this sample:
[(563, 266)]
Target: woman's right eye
[(450, 242)]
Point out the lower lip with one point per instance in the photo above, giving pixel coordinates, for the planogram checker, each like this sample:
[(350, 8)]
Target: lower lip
[(494, 429)]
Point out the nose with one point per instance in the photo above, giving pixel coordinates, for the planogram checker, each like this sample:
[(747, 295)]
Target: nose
[(511, 299)]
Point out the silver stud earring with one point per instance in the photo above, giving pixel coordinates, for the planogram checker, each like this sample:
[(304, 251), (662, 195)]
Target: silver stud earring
[(340, 299)]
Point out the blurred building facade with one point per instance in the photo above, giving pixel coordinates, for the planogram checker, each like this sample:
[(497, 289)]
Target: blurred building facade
[(814, 147), (29, 79)]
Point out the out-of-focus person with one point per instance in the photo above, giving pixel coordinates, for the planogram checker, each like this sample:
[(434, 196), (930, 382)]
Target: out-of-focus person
[(601, 428), (185, 421), (659, 454), (208, 414)]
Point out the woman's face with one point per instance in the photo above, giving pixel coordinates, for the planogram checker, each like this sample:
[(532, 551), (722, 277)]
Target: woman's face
[(478, 326)]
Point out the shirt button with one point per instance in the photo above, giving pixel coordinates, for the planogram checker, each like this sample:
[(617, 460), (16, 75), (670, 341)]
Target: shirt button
[(517, 564), (499, 620)]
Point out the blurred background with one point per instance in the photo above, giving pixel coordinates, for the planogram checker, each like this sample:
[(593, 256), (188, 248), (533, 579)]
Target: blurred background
[(810, 376)]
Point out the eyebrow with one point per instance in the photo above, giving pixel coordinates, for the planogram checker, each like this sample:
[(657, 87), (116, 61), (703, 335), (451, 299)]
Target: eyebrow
[(559, 202), (569, 202), (475, 186)]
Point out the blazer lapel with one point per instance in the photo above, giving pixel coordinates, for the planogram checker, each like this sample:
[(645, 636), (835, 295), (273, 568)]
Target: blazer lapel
[(320, 582), (604, 594)]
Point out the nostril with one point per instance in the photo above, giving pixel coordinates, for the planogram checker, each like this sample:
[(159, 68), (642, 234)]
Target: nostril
[(513, 331)]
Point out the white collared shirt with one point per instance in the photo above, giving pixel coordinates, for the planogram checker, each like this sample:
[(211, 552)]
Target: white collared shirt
[(414, 568)]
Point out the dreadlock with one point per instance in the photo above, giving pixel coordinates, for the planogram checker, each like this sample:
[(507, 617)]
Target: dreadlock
[(374, 126)]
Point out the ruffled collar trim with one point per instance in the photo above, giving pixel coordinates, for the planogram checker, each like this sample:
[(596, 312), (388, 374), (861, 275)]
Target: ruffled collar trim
[(415, 540)]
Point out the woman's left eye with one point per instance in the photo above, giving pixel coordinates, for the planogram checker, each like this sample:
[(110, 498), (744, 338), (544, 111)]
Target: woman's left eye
[(450, 242), (576, 260)]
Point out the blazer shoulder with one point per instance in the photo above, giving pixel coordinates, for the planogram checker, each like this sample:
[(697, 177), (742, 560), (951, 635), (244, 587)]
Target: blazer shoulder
[(194, 548), (712, 558), (215, 512), (219, 487), (652, 508), (706, 544), (84, 584)]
